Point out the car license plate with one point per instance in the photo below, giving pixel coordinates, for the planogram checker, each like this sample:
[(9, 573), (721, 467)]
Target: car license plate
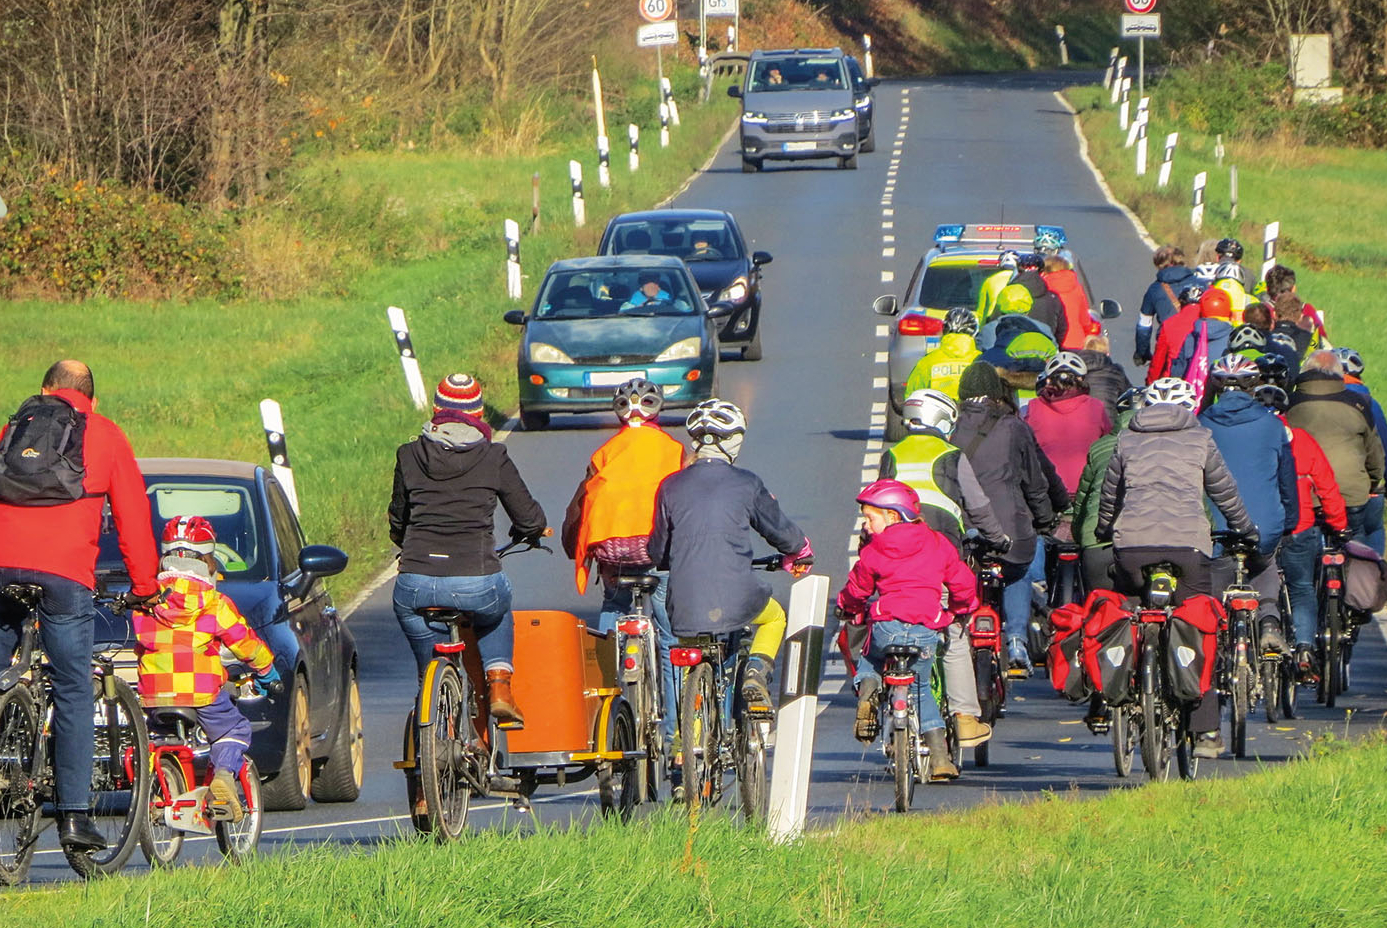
[(798, 146), (611, 378)]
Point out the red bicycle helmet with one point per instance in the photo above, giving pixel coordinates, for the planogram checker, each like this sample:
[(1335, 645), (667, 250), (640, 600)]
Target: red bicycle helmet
[(894, 495), (188, 533)]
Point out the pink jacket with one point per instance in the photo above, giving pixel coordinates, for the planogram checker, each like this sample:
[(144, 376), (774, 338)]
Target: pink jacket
[(1065, 429), (908, 566)]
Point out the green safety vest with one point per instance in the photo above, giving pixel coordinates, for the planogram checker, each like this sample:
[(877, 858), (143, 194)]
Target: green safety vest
[(915, 457)]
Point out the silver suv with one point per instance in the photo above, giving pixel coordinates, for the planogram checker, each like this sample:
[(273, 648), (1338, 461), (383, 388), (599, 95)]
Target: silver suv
[(797, 103)]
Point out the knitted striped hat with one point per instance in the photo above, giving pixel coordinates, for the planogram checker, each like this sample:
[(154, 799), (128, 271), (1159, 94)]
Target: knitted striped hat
[(459, 392)]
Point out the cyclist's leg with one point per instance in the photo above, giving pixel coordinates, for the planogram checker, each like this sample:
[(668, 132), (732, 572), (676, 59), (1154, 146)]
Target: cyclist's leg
[(1372, 523), (11, 617), (68, 629), (769, 631), (660, 611), (616, 602), (892, 632), (1016, 609), (1266, 580), (1298, 557), (488, 600), (227, 730), (412, 593), (959, 678)]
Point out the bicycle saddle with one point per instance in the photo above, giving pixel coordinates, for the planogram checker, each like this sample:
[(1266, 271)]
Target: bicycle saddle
[(26, 594), (903, 650), (643, 582), (445, 614), (170, 716)]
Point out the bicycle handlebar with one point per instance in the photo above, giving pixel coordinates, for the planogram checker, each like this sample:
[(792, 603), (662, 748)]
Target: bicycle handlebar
[(773, 562), (529, 542), (1236, 542)]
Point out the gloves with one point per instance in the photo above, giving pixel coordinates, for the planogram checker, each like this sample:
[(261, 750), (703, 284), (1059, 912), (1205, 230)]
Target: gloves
[(1139, 361), (140, 603), (790, 563), (1002, 545), (269, 681)]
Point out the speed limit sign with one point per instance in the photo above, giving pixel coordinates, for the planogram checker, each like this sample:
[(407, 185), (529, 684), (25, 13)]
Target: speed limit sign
[(655, 11), (1140, 6)]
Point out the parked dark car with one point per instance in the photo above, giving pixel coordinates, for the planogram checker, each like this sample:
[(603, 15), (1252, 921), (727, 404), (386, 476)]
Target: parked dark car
[(865, 103), (309, 739), (711, 243)]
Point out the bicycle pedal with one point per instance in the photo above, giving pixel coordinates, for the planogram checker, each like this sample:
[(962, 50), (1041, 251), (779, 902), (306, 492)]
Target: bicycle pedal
[(761, 712), (510, 726)]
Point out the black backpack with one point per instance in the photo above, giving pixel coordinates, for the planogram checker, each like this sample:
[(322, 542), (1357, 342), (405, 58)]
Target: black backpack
[(42, 460)]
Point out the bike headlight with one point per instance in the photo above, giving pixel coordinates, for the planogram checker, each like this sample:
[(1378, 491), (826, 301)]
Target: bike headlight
[(684, 348), (541, 353), (734, 292)]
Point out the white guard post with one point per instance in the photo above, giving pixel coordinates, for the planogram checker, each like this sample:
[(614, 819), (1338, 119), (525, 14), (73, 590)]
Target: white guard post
[(1197, 203), (1118, 76), (867, 55), (1269, 237), (1124, 110), (413, 379), (799, 704), (668, 93), (664, 125), (512, 259), (1137, 120), (272, 417), (633, 136), (1141, 146), (580, 213), (1111, 72), (1168, 161)]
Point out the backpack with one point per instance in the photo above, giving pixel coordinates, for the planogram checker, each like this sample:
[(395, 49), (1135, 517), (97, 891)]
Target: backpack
[(1192, 648), (1197, 373), (42, 459), (1365, 580), (1110, 648), (1065, 654)]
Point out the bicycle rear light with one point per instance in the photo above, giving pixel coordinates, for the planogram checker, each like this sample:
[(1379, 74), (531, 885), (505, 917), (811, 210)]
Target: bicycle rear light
[(1238, 603), (1333, 559), (901, 679), (629, 663), (685, 657), (632, 627), (899, 705), (450, 647)]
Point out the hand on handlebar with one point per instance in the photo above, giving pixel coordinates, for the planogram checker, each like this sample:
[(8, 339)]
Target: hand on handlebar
[(135, 603), (269, 682), (799, 565)]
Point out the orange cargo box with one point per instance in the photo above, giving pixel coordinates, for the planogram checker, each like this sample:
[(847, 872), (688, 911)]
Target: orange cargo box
[(561, 670)]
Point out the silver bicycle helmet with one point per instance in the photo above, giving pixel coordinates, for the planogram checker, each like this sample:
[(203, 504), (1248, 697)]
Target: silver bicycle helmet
[(717, 428), (930, 409), (1048, 242), (1248, 336), (637, 397), (1235, 372), (1351, 360), (1172, 390), (961, 319)]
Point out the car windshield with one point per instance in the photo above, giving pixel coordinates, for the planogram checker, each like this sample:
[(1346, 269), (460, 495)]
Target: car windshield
[(946, 286), (774, 74), (600, 292), (692, 240), (225, 502)]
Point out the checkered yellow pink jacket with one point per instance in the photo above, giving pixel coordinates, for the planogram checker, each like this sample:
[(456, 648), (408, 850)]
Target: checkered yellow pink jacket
[(179, 645)]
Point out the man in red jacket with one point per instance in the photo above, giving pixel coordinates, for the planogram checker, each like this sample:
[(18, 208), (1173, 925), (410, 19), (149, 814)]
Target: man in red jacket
[(55, 547), (1176, 330)]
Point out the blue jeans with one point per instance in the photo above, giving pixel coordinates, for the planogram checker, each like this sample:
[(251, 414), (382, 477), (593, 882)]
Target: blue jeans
[(926, 639), (67, 627), (1298, 557), (1375, 535), (616, 603), (1017, 598), (487, 599)]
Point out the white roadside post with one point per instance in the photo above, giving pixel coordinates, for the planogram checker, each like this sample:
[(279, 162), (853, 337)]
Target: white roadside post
[(1269, 237), (580, 213), (272, 418), (731, 38), (413, 379), (1111, 73), (1124, 108), (867, 55), (512, 259), (1118, 76), (1168, 161), (1064, 46), (1141, 147), (668, 92), (1219, 150), (1232, 191), (1137, 120), (633, 137), (604, 161), (664, 125), (604, 170), (799, 703), (1197, 204)]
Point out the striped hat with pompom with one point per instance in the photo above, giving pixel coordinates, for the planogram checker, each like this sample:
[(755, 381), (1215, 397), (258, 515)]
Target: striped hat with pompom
[(459, 392)]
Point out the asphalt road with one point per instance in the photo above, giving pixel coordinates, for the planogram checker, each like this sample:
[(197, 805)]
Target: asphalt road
[(979, 149)]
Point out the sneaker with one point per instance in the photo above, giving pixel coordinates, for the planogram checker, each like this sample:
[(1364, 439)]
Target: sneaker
[(1208, 744), (225, 793), (867, 725), (1099, 718), (756, 690), (971, 730), (1272, 641), (1019, 662)]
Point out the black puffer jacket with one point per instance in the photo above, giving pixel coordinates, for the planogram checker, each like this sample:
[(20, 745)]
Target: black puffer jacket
[(1153, 491), (1046, 305), (442, 510), (1106, 380)]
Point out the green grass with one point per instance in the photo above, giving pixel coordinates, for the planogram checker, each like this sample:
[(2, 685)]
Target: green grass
[(1330, 201), (1302, 844), (187, 378)]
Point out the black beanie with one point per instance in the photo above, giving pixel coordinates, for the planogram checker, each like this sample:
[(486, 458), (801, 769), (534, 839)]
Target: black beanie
[(981, 380)]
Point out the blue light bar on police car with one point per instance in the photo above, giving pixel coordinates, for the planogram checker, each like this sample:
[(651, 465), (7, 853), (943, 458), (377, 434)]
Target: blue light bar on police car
[(948, 233)]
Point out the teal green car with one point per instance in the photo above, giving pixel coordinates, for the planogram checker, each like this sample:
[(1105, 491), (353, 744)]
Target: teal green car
[(598, 322)]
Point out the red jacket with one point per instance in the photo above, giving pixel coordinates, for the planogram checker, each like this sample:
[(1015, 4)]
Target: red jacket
[(1065, 429), (908, 566), (1315, 480), (1169, 340), (1066, 286), (62, 540)]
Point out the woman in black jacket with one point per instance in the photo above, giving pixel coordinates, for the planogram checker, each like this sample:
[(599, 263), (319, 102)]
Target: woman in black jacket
[(442, 511)]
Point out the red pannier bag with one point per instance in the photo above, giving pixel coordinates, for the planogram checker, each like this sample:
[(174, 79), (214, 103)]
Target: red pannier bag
[(1065, 663), (1192, 646), (1110, 647)]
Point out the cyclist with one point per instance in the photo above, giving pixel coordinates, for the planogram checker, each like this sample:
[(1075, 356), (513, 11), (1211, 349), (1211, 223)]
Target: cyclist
[(1152, 508), (1248, 341), (941, 368), (908, 568), (1207, 340), (1353, 380), (1018, 347), (1045, 306), (1256, 447), (442, 515), (1230, 278), (1175, 330), (1097, 556), (178, 644), (947, 490), (995, 283), (1160, 301), (1106, 379), (1065, 419), (1291, 309), (1063, 281), (704, 517), (1300, 553), (1230, 255), (49, 528)]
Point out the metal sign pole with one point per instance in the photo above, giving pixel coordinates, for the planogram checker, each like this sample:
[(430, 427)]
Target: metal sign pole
[(1141, 66)]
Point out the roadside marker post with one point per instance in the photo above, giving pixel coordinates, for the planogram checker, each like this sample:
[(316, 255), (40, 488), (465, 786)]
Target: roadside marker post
[(1141, 147), (799, 703), (1118, 77), (534, 203), (867, 56), (408, 360), (1269, 237), (1111, 73), (1233, 191), (1142, 115), (1219, 151), (604, 161), (664, 125), (575, 175), (633, 136), (1197, 204), (604, 170), (1125, 104), (272, 418), (667, 93), (1167, 162), (512, 259), (1064, 46)]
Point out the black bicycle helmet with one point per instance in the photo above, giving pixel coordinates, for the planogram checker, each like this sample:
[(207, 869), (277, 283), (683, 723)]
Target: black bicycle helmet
[(1229, 248), (1274, 370), (1131, 398), (961, 319), (1272, 397), (1030, 262)]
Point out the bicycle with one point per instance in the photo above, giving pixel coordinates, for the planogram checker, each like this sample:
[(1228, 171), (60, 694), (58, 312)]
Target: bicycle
[(1237, 680), (985, 627), (120, 761), (180, 750), (638, 647), (1331, 634)]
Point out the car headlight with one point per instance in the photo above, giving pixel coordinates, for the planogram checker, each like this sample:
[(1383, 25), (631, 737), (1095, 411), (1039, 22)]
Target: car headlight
[(840, 115), (753, 117), (684, 348), (540, 353), (734, 292)]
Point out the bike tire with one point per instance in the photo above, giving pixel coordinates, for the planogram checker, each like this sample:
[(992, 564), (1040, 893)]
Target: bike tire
[(238, 841), (618, 781), (1240, 704), (903, 760), (120, 789), (1155, 742), (1185, 759), (1124, 740), (1333, 669), (19, 806), (159, 843), (1271, 688), (654, 772), (991, 683), (751, 767), (442, 744), (699, 724), (1290, 690)]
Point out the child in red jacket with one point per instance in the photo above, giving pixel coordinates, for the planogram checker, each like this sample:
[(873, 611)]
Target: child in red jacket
[(908, 566)]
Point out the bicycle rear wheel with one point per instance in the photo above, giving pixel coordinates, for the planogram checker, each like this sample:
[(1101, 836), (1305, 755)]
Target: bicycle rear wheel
[(904, 757), (1240, 704), (1125, 734), (699, 723), (1333, 675), (1186, 759), (19, 807), (1271, 688), (442, 734), (120, 777), (1155, 731), (238, 840), (751, 766), (159, 843), (618, 781)]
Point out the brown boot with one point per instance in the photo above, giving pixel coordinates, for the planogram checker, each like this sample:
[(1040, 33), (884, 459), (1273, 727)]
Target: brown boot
[(971, 730), (503, 707), (941, 766)]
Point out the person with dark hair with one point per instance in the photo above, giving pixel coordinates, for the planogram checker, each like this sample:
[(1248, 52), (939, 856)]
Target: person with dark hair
[(1281, 285), (49, 534), (1161, 300)]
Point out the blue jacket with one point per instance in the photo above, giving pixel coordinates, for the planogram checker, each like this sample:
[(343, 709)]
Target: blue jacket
[(1256, 446), (1219, 333), (1379, 421), (1156, 306)]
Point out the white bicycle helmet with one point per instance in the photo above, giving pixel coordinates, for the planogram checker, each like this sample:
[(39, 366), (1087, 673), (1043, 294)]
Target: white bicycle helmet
[(930, 409), (1229, 271), (961, 319), (1048, 242), (717, 428), (1235, 372), (1351, 360), (1248, 336), (1065, 361), (1172, 390), (639, 397)]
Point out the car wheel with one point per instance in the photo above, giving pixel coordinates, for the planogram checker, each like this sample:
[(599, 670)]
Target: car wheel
[(752, 350), (869, 144), (339, 779), (288, 791), (534, 421), (895, 425), (750, 165), (848, 162)]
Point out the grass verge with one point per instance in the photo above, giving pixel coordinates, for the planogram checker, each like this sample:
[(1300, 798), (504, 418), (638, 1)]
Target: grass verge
[(1329, 200), (1301, 844)]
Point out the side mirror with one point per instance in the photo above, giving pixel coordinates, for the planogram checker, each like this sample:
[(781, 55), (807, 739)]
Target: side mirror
[(735, 91), (322, 561), (515, 317), (720, 309), (1109, 309), (759, 258), (885, 305)]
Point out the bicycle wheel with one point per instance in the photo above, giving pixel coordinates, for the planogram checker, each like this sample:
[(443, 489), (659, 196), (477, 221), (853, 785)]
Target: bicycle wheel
[(238, 840), (443, 733), (654, 771), (1290, 689), (19, 807), (1185, 758), (1333, 675), (1240, 704), (1155, 732), (159, 843), (120, 777), (699, 723), (903, 760), (618, 787), (1271, 688), (751, 767), (1124, 740)]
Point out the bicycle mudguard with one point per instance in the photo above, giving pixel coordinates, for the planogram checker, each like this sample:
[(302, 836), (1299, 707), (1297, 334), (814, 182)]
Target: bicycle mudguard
[(189, 812)]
